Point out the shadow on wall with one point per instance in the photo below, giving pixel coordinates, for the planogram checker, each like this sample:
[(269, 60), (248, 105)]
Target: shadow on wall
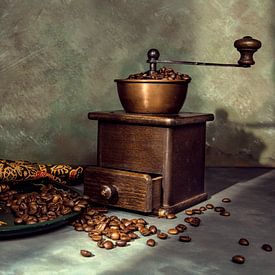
[(229, 144)]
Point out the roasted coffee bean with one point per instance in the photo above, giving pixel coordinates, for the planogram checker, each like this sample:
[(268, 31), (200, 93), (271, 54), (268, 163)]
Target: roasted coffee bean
[(18, 220), (77, 208), (100, 243), (115, 236), (145, 231), (162, 73), (243, 241), (96, 238), (187, 219), (79, 228), (171, 216), (125, 238), (209, 206), (173, 231), (86, 253), (108, 245), (267, 247), (196, 211), (162, 235), (133, 235), (87, 228), (153, 229), (181, 227), (225, 213), (189, 212), (202, 208), (195, 221), (219, 209), (226, 200), (151, 242), (238, 259), (184, 238), (121, 243)]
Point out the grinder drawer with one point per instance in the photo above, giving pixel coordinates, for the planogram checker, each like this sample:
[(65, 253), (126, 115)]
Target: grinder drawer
[(129, 190)]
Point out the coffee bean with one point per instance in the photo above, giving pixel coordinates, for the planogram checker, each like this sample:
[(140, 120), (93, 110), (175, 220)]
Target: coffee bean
[(151, 242), (238, 259), (188, 219), (173, 231), (225, 213), (195, 221), (189, 212), (197, 211), (267, 247), (96, 238), (184, 238), (86, 253), (209, 206), (170, 216), (226, 200), (153, 229), (133, 235), (162, 235), (108, 245), (121, 243), (219, 209), (202, 208), (181, 227), (243, 241), (18, 221), (100, 243), (115, 236)]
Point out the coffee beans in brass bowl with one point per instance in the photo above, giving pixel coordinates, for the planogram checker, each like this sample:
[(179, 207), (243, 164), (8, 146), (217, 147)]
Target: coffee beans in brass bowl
[(162, 92)]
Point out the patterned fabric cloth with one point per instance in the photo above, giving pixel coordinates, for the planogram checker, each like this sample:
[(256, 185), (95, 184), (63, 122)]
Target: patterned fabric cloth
[(14, 171)]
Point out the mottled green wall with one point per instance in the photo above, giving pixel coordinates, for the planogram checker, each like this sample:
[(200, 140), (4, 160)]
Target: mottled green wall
[(58, 60)]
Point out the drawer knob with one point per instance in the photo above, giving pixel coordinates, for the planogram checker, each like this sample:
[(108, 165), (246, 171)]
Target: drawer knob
[(108, 192)]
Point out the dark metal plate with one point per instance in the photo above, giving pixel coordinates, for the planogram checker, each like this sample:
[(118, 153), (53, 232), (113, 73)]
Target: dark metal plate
[(13, 230)]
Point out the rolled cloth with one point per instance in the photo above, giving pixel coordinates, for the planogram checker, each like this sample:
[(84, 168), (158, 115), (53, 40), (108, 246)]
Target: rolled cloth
[(15, 171)]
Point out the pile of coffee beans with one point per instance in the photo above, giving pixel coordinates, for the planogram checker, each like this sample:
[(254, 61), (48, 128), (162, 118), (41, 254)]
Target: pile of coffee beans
[(110, 231), (45, 205), (162, 73)]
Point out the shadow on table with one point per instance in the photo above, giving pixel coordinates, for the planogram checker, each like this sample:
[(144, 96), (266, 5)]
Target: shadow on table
[(218, 179)]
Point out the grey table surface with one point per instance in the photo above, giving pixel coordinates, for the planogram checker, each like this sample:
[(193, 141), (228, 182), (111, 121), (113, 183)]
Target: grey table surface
[(213, 244)]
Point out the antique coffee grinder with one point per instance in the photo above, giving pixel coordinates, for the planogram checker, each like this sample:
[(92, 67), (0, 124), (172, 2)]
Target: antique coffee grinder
[(150, 157)]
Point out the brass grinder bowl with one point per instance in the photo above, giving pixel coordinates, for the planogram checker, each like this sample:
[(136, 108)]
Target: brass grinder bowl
[(150, 96)]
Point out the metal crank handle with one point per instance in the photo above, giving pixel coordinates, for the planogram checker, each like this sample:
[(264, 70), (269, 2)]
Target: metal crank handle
[(247, 46)]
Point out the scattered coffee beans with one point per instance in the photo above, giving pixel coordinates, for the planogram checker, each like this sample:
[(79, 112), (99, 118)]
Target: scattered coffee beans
[(162, 235), (267, 247), (243, 241), (184, 238), (189, 212), (225, 213), (171, 216), (173, 231), (195, 221), (151, 242), (86, 253), (209, 206), (181, 227), (121, 243), (153, 229), (238, 259), (226, 200), (219, 209), (108, 245)]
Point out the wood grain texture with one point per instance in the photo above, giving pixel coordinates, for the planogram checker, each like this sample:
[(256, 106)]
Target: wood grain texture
[(135, 191), (131, 147)]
